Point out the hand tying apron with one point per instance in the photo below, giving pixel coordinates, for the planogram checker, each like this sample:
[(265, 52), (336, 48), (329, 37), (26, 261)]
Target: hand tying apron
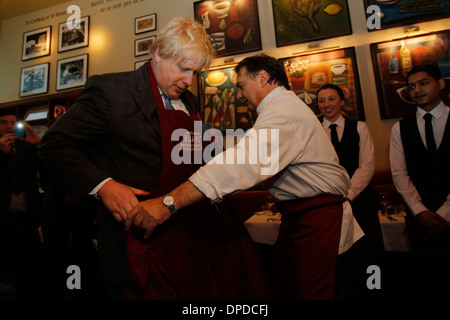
[(199, 253)]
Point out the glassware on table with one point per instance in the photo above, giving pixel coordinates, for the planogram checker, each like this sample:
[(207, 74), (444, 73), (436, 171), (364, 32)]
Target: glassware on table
[(385, 203), (399, 210)]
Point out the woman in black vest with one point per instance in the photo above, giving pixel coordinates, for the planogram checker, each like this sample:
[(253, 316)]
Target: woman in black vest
[(354, 147)]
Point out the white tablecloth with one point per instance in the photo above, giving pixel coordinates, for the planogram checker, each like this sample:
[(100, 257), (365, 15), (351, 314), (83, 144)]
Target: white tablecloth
[(395, 236), (264, 228)]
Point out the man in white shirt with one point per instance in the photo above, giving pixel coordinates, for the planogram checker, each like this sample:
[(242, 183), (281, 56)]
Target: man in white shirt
[(421, 172), (307, 181)]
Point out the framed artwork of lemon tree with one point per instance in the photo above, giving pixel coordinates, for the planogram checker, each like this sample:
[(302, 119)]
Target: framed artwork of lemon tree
[(232, 26), (307, 73), (299, 21)]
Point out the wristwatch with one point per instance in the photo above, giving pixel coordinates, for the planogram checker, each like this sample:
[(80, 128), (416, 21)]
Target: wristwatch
[(169, 202)]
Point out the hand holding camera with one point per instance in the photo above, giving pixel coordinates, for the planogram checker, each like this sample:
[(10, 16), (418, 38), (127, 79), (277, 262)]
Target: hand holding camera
[(24, 131)]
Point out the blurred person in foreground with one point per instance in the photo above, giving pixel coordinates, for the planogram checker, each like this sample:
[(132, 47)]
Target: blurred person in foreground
[(20, 208)]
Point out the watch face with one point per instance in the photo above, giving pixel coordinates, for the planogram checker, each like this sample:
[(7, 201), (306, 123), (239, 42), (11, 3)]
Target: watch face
[(168, 200)]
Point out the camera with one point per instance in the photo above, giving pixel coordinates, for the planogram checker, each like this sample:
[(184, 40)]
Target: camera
[(19, 129)]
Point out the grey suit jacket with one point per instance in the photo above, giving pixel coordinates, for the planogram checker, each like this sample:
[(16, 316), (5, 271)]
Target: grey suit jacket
[(112, 130)]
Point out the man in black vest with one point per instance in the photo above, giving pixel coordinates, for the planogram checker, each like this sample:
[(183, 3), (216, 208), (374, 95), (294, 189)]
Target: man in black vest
[(420, 157)]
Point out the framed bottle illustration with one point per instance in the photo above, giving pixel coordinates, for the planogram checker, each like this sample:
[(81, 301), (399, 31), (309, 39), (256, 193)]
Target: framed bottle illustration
[(393, 59)]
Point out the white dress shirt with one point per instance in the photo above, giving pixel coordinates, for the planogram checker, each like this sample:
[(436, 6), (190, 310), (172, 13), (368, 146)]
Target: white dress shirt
[(398, 164), (307, 163), (363, 175)]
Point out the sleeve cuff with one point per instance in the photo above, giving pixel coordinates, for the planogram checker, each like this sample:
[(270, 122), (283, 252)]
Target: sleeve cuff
[(95, 190)]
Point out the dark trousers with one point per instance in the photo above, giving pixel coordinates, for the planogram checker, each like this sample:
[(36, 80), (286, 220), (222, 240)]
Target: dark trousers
[(351, 270), (21, 254), (432, 260)]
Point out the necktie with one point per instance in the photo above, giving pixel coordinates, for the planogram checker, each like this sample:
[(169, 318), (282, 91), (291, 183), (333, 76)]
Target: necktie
[(334, 136), (431, 143), (168, 104)]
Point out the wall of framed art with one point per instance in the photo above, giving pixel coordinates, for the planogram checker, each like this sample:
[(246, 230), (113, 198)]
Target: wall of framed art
[(110, 45)]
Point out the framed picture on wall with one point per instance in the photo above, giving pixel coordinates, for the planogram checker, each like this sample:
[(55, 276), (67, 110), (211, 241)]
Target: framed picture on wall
[(308, 72), (305, 21), (73, 37), (36, 43), (403, 12), (138, 64), (145, 23), (219, 106), (34, 80), (393, 59), (141, 45), (72, 72), (232, 26)]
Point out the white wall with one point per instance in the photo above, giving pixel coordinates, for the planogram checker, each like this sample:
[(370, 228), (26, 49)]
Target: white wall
[(111, 47)]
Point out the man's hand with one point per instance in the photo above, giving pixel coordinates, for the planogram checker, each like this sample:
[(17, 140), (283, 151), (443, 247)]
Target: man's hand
[(432, 222), (151, 213), (6, 142), (147, 215), (31, 136), (119, 198)]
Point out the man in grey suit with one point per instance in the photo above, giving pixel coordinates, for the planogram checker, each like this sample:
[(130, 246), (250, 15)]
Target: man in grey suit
[(113, 144)]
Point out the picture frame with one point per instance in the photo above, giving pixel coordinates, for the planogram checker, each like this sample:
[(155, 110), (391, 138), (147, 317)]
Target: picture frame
[(327, 20), (58, 111), (36, 43), (138, 64), (141, 45), (406, 12), (308, 72), (219, 106), (232, 26), (393, 59), (35, 114), (145, 23), (34, 80), (70, 39), (72, 72)]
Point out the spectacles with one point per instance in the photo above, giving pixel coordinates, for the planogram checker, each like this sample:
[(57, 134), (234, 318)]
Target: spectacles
[(12, 123)]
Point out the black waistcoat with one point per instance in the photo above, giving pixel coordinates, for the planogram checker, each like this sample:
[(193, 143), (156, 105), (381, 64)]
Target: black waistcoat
[(348, 148), (430, 173)]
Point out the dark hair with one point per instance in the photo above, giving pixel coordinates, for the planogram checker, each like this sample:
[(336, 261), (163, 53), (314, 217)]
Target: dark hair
[(7, 112), (272, 66), (432, 70), (334, 87)]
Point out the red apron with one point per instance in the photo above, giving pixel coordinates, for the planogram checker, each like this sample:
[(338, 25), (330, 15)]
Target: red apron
[(199, 253)]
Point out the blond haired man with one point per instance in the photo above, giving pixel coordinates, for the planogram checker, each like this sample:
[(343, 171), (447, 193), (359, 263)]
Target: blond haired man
[(115, 143)]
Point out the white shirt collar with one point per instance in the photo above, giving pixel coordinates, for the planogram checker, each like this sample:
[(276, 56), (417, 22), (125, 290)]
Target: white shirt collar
[(339, 121), (436, 112), (266, 101)]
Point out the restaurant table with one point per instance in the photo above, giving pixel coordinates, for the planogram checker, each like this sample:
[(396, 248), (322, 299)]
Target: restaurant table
[(395, 236), (263, 227)]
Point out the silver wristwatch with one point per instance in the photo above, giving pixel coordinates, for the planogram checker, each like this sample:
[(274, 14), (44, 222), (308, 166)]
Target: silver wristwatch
[(169, 202)]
